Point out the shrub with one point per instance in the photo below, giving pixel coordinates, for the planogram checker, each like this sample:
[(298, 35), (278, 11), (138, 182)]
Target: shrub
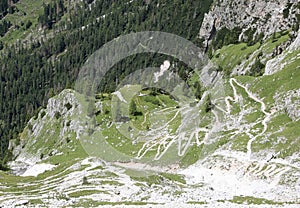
[(43, 113), (208, 105), (152, 100), (28, 24), (85, 181), (57, 115), (257, 69), (133, 110), (68, 123), (286, 11), (3, 167), (243, 48), (68, 106), (226, 36)]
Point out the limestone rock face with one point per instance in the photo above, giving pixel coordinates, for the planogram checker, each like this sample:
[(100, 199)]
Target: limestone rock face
[(296, 44), (55, 127), (263, 16), (290, 102), (65, 104)]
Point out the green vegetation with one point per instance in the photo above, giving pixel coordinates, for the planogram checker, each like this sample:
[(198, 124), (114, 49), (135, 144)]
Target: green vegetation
[(282, 132), (7, 8), (35, 201), (252, 200), (99, 203), (231, 56), (24, 19), (148, 108), (196, 202), (28, 66), (282, 81), (52, 13), (159, 178), (287, 141), (240, 143), (141, 108), (85, 193), (4, 26), (192, 156), (286, 11), (57, 38), (174, 177), (257, 68), (272, 43), (225, 37)]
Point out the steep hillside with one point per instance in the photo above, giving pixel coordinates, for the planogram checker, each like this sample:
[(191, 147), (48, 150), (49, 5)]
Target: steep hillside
[(45, 43), (235, 142), (252, 23), (254, 160)]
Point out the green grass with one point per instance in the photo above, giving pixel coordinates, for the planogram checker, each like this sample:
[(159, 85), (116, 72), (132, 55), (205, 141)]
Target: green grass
[(49, 136), (151, 179), (239, 143), (290, 133), (228, 57), (286, 140), (97, 168), (271, 43), (174, 177), (121, 143), (247, 103), (292, 57), (265, 87), (45, 142), (232, 55), (85, 193), (35, 202), (91, 203), (192, 156), (149, 103), (160, 178), (137, 173), (120, 137), (210, 148), (113, 183), (253, 116), (252, 200), (287, 79)]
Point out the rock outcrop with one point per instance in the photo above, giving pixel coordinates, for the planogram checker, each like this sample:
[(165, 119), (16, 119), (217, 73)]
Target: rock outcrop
[(51, 130), (262, 16), (290, 103), (277, 63)]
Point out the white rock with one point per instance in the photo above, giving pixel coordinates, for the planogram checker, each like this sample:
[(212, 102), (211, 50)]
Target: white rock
[(38, 169)]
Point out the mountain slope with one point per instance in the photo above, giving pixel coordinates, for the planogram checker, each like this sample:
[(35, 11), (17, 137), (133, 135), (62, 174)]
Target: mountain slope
[(41, 59), (237, 171), (243, 151)]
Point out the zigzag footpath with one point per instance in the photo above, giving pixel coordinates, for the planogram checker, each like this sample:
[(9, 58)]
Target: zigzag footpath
[(262, 108)]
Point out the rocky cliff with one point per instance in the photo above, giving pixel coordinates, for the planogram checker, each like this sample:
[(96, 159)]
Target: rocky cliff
[(53, 131), (264, 17), (257, 23)]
